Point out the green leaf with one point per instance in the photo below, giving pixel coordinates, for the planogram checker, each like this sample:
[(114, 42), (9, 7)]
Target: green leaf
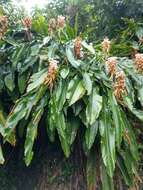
[(37, 79), (1, 156), (132, 145), (88, 47), (94, 107), (32, 130), (64, 72), (2, 122), (73, 125), (129, 104), (91, 171), (9, 82), (76, 90), (139, 32), (16, 57), (75, 63), (61, 92), (87, 83), (116, 118), (107, 133), (107, 181), (22, 81), (22, 110), (140, 95), (90, 134), (127, 178)]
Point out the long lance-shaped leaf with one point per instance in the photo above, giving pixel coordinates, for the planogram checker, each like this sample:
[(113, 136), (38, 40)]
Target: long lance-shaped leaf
[(37, 79), (87, 83), (58, 121), (107, 133), (126, 176), (90, 135), (73, 125), (75, 63), (91, 170), (1, 156), (11, 139), (2, 122), (129, 136), (136, 112), (61, 92), (94, 107), (107, 181), (32, 130), (116, 118), (88, 47), (76, 90), (22, 110)]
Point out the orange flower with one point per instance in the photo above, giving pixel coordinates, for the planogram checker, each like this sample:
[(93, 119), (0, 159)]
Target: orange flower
[(139, 62), (61, 21), (106, 45), (52, 73), (120, 86), (27, 22), (111, 63), (3, 25), (77, 47), (52, 25)]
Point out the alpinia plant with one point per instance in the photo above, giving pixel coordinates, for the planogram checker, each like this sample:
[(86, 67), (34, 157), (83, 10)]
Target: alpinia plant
[(48, 78)]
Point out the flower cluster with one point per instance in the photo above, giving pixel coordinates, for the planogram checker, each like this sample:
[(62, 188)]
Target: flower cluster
[(77, 47), (52, 25), (27, 22), (139, 62), (56, 24), (120, 86), (60, 21), (111, 63), (106, 45), (52, 73), (3, 25)]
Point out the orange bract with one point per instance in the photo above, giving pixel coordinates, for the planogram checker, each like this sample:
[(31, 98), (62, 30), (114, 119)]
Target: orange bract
[(52, 73), (111, 63), (3, 25), (119, 87), (61, 21), (77, 47), (52, 25), (27, 22), (106, 44), (139, 62)]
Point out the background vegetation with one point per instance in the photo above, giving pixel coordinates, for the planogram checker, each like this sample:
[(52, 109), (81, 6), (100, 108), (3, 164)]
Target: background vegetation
[(59, 93)]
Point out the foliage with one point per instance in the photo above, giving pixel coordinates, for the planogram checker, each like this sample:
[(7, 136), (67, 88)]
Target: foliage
[(57, 77)]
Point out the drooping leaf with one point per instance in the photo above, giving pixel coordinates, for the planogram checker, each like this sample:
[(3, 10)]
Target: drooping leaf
[(1, 156), (32, 130), (37, 79), (9, 82), (75, 63), (107, 181), (107, 133), (22, 110), (73, 125), (90, 134), (94, 107), (129, 104), (87, 83), (116, 118), (91, 171), (88, 47), (75, 90)]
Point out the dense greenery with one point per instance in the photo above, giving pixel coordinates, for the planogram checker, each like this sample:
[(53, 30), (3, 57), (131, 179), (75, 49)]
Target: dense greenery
[(50, 72)]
